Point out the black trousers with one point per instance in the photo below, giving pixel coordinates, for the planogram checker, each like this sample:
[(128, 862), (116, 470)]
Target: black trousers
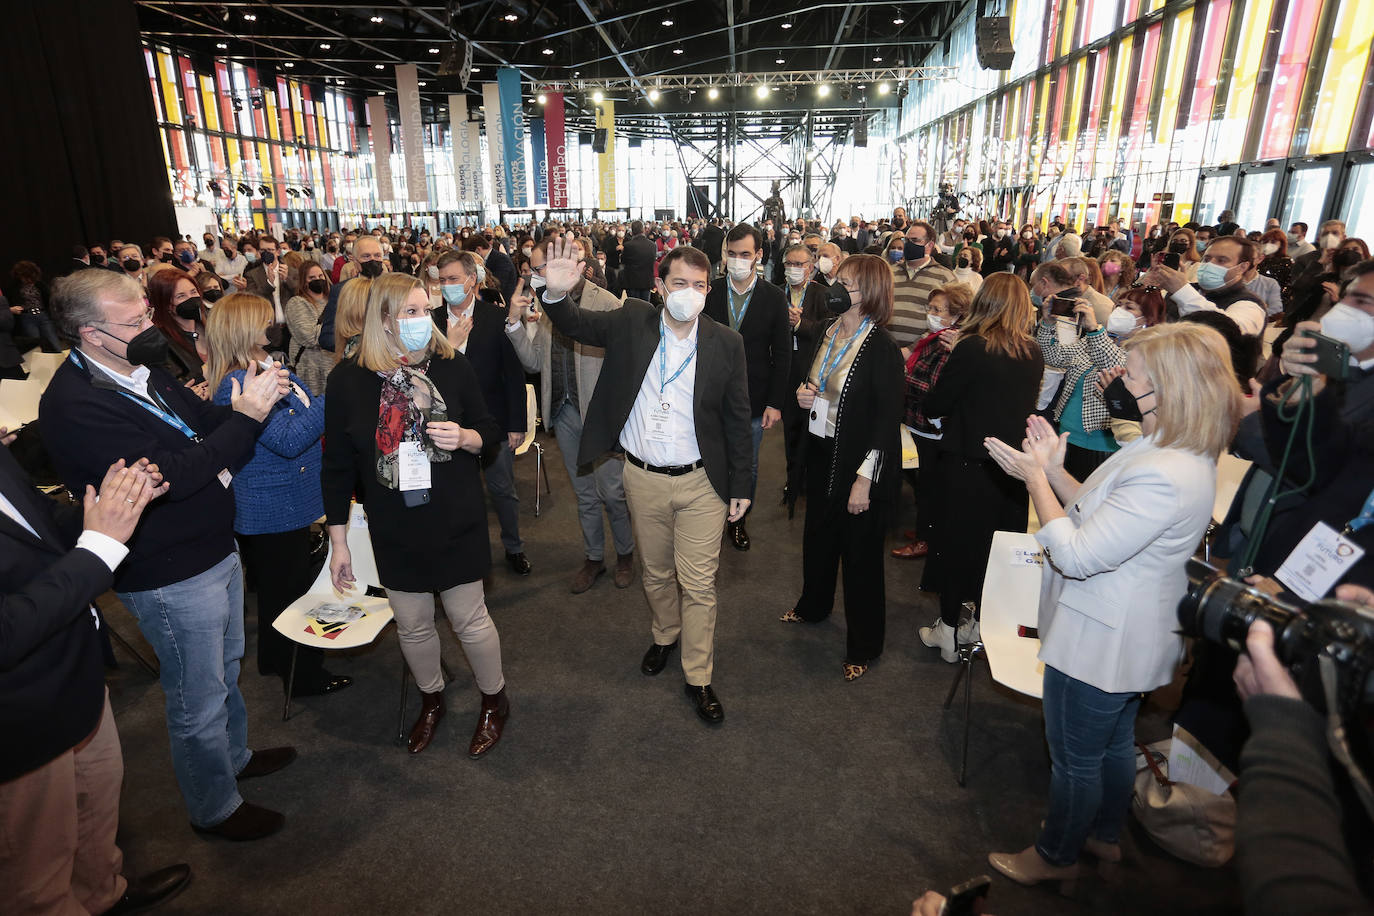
[(1081, 462), (927, 484), (794, 423), (975, 499), (833, 537), (279, 571)]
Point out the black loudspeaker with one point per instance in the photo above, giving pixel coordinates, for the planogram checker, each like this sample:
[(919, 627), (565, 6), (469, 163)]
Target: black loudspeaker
[(994, 43), (599, 140), (861, 133)]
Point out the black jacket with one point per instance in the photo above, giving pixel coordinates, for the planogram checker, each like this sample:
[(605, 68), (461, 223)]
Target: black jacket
[(637, 262), (720, 401), (710, 243), (88, 423), (981, 394), (503, 269), (52, 676), (430, 547), (499, 373), (767, 340), (814, 319)]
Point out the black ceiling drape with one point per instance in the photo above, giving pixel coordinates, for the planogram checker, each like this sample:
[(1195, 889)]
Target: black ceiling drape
[(80, 159)]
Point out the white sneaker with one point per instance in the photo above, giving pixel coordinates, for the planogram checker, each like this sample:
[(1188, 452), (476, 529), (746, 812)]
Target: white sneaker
[(940, 635), (969, 632)]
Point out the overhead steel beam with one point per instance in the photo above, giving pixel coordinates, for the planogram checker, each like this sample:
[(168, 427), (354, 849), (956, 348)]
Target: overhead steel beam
[(799, 78), (839, 33), (476, 45), (730, 25)]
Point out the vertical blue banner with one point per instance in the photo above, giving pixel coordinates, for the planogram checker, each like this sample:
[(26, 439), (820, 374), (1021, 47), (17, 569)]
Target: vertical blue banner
[(513, 136), (540, 193)]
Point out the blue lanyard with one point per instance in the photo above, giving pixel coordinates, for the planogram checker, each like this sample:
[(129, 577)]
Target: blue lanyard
[(737, 317), (663, 363), (826, 365), (153, 406), (1365, 518)]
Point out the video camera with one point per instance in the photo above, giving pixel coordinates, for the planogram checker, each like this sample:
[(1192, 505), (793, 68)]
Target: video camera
[(1220, 610)]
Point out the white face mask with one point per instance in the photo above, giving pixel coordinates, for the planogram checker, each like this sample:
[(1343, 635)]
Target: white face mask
[(1269, 248), (740, 269), (795, 275), (481, 275), (826, 264), (1331, 240), (1352, 325), (935, 322), (684, 304), (433, 272), (1121, 323), (537, 282)]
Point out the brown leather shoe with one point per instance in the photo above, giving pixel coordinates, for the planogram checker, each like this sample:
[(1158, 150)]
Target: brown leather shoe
[(490, 722), (586, 576), (913, 551), (624, 570), (431, 711), (248, 822)]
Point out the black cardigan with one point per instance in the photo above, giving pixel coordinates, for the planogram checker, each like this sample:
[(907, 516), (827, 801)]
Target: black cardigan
[(424, 548), (868, 415), (981, 394)]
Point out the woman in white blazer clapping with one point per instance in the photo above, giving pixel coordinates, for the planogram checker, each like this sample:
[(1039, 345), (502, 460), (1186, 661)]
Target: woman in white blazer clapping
[(1116, 547)]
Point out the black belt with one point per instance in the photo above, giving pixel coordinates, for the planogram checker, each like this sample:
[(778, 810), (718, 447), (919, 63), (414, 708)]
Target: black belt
[(676, 470)]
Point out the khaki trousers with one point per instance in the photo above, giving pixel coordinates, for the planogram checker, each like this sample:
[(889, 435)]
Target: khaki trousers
[(57, 831), (466, 607), (677, 523)]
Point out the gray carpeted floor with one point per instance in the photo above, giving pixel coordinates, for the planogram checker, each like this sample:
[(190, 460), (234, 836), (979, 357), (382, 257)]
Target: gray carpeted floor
[(608, 795)]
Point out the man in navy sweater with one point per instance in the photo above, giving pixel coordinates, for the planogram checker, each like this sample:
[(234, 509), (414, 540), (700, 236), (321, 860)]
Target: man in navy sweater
[(182, 579), (60, 765)]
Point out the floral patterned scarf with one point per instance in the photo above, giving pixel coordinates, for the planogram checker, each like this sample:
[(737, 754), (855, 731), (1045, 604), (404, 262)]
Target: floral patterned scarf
[(400, 420)]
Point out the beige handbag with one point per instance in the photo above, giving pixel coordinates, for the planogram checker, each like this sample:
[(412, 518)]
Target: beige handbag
[(1186, 820)]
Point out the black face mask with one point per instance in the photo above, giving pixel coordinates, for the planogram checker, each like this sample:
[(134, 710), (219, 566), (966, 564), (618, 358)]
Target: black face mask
[(269, 257), (97, 259), (212, 294), (370, 269), (189, 309), (1121, 404), (1179, 247), (837, 299), (913, 251), (132, 265), (147, 348), (166, 257), (316, 286)]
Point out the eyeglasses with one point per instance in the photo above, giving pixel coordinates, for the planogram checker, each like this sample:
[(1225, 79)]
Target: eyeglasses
[(146, 319)]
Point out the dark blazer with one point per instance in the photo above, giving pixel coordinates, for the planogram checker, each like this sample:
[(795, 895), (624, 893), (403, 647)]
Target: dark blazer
[(499, 373), (430, 547), (767, 340), (720, 400), (256, 278), (637, 262), (87, 424), (815, 317), (710, 243), (503, 269), (981, 394), (52, 674)]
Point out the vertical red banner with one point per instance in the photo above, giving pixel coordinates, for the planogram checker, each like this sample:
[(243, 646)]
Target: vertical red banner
[(555, 139)]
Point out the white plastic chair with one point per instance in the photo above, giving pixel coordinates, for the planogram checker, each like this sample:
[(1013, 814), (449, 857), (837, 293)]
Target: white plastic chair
[(19, 398), (1010, 601), (531, 424), (294, 622)]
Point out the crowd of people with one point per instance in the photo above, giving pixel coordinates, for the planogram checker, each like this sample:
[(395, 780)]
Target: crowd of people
[(219, 399)]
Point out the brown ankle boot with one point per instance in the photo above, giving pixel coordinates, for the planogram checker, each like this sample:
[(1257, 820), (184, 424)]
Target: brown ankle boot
[(490, 722), (431, 711)]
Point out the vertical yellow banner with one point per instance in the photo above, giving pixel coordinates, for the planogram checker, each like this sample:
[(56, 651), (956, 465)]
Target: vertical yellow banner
[(605, 161)]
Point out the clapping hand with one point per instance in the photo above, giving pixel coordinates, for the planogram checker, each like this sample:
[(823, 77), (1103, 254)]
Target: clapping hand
[(124, 494), (1040, 451), (259, 392), (561, 270), (1106, 377)]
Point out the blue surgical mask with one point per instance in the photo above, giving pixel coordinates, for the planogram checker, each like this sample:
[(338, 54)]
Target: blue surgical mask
[(1211, 276), (415, 332), (895, 255), (1037, 300), (251, 257), (454, 293)]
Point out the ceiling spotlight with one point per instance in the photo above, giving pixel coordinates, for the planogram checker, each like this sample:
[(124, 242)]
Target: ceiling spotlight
[(376, 19), (251, 17), (542, 99), (421, 83), (221, 45), (289, 65), (597, 96), (899, 21), (325, 46), (713, 93), (761, 91), (476, 70), (653, 95), (678, 51), (787, 24), (823, 90), (667, 23), (883, 88), (877, 60), (379, 66), (510, 17), (778, 60), (434, 50), (547, 52)]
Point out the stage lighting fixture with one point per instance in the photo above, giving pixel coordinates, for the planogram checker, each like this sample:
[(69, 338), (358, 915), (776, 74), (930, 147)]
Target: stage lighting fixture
[(422, 84), (790, 93), (685, 96), (883, 88), (787, 24), (250, 17), (376, 19), (778, 60), (823, 90), (434, 50), (547, 52), (379, 66), (713, 93), (325, 46), (222, 46), (238, 104), (292, 192), (761, 91), (877, 60), (678, 51), (898, 20), (542, 99), (598, 96), (846, 91), (511, 17), (264, 190), (653, 95), (288, 65), (307, 192), (667, 23), (901, 90), (256, 102), (213, 187), (244, 189)]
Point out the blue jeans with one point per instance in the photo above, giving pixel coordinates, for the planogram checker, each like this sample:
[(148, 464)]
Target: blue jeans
[(196, 628), (755, 427), (1091, 735)]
